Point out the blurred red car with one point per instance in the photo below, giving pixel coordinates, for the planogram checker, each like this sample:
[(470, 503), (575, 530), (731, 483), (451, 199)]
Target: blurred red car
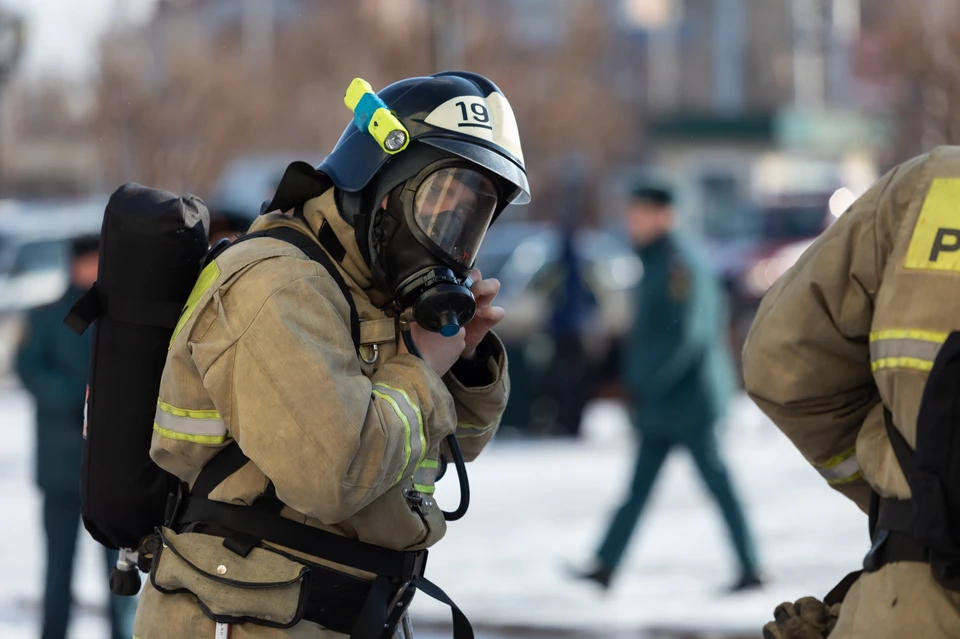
[(770, 240)]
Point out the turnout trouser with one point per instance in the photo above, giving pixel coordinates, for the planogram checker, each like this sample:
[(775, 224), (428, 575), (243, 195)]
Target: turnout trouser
[(704, 449)]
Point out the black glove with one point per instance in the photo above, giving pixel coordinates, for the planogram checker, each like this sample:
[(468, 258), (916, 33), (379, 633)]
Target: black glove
[(808, 618)]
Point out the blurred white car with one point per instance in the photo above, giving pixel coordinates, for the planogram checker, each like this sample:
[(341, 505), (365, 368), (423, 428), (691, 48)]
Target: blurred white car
[(35, 250), (525, 257), (35, 259)]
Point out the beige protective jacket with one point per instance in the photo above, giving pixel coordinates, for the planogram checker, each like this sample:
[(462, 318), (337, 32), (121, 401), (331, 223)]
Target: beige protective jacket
[(854, 326), (263, 355)]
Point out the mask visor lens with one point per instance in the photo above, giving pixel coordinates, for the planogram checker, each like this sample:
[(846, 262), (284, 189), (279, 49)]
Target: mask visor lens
[(454, 207)]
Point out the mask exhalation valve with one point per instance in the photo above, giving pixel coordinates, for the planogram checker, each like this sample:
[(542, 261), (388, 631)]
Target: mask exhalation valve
[(449, 323)]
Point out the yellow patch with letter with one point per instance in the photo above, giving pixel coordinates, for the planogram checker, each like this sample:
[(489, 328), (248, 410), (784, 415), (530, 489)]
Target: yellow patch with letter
[(935, 245)]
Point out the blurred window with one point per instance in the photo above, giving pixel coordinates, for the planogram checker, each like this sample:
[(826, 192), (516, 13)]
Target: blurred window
[(774, 223), (546, 280), (606, 265), (528, 261), (793, 222), (40, 256), (724, 215), (611, 265), (648, 14), (538, 24), (6, 253)]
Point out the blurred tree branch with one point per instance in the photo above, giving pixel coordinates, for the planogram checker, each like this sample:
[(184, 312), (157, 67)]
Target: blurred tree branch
[(47, 107), (175, 122), (564, 95), (925, 53), (176, 128)]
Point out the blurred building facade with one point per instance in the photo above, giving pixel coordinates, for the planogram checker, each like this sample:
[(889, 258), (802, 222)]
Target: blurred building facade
[(610, 82)]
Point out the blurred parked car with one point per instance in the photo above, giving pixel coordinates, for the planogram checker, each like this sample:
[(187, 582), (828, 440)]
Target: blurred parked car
[(250, 180), (35, 250), (35, 257), (762, 244), (525, 257)]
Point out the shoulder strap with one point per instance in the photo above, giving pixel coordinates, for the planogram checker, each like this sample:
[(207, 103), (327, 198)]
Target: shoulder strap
[(96, 303), (312, 250), (905, 455), (229, 460), (936, 419)]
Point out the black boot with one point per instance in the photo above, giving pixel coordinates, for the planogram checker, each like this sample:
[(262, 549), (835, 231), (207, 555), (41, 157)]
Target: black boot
[(601, 576), (748, 581)]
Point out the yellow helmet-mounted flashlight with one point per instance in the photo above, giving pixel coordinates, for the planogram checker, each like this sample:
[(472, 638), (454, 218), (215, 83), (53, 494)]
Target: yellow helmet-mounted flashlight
[(371, 114)]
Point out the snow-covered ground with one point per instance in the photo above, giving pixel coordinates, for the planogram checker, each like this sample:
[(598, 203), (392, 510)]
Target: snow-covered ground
[(538, 507)]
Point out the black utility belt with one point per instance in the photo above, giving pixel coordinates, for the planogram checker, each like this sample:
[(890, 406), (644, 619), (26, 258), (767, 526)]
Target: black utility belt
[(338, 601), (334, 599), (249, 525)]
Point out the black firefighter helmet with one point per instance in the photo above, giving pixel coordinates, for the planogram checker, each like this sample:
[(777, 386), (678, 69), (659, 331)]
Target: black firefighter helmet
[(446, 159), (459, 113), (462, 114)]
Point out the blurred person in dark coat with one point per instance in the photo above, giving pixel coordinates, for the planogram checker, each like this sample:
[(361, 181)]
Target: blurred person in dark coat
[(52, 362), (678, 373), (573, 307)]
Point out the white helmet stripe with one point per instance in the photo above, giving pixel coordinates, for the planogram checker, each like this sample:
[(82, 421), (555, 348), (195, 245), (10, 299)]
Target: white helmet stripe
[(489, 119)]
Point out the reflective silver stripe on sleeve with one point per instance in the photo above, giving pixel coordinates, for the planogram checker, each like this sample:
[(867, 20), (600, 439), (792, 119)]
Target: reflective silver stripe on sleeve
[(426, 474), (914, 348), (415, 441), (841, 469), (904, 348), (200, 431)]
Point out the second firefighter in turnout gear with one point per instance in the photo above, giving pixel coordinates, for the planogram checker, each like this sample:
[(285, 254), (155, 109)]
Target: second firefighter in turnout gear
[(840, 357), (340, 427)]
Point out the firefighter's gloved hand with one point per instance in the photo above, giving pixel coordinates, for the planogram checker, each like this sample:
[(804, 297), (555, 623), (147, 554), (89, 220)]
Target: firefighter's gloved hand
[(808, 618)]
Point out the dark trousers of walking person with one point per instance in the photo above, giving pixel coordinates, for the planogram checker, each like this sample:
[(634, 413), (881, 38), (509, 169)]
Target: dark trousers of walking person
[(706, 455), (61, 519)]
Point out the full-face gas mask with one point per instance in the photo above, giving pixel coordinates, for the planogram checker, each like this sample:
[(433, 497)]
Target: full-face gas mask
[(422, 171), (425, 240)]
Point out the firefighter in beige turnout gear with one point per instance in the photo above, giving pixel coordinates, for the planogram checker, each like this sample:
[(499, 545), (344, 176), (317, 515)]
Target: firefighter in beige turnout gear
[(262, 358), (851, 330)]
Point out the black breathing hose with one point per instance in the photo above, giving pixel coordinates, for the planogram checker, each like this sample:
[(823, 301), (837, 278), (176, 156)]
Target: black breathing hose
[(452, 443)]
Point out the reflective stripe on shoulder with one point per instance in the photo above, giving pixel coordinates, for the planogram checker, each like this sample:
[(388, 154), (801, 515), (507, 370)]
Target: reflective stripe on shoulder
[(197, 426), (415, 442), (912, 349), (841, 469)]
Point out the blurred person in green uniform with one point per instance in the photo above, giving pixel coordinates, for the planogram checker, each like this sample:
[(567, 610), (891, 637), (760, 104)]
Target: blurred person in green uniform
[(678, 373), (52, 362)]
